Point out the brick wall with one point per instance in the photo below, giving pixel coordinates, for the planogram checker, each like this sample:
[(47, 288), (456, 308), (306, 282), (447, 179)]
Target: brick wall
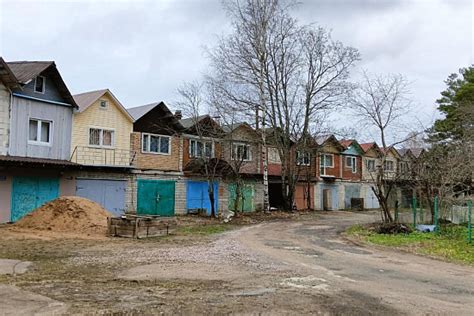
[(163, 162), (347, 173)]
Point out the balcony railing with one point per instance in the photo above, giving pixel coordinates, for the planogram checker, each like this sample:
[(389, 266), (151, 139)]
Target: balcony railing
[(98, 156)]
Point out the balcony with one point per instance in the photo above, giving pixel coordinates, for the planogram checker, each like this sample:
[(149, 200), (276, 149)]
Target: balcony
[(95, 156)]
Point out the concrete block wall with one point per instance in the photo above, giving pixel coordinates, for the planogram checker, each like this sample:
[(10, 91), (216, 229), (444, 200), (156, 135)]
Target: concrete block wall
[(4, 119)]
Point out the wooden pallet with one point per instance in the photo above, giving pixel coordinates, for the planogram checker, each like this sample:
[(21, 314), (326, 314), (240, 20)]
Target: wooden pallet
[(136, 226)]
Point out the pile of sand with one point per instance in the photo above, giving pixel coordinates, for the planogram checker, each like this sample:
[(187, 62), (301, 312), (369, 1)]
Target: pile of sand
[(68, 214)]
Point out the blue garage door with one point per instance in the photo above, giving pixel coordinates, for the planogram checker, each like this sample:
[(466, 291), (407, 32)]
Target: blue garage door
[(108, 193), (197, 196), (371, 200), (29, 193)]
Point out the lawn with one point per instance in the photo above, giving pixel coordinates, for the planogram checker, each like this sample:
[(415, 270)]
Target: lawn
[(449, 244)]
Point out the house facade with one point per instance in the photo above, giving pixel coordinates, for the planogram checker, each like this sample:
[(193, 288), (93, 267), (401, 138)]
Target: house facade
[(36, 111)]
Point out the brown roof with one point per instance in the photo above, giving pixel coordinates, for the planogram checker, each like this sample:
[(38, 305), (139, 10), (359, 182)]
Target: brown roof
[(6, 75), (26, 70), (86, 99), (19, 161)]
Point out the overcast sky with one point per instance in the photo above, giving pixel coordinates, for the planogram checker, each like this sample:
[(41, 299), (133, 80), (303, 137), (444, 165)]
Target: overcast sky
[(143, 50)]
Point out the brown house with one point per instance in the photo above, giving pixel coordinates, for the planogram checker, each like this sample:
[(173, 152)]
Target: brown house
[(155, 140)]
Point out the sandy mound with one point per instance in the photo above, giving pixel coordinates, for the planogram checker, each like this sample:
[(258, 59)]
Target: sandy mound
[(70, 214)]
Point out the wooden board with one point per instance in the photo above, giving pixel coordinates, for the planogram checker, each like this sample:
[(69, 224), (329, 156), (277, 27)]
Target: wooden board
[(140, 227)]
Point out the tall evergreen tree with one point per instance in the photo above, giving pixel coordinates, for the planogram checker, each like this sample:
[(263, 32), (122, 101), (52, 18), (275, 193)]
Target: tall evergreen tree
[(457, 104)]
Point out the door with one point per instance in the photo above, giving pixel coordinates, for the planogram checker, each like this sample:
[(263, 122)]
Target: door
[(302, 193), (110, 194), (327, 200), (197, 196), (29, 193), (155, 197), (371, 199), (246, 201)]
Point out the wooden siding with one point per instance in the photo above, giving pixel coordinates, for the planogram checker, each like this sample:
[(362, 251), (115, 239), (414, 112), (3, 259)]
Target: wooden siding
[(218, 150), (61, 116), (110, 118), (154, 161), (51, 92), (4, 118)]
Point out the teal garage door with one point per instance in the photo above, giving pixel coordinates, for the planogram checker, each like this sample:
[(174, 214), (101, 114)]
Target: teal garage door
[(246, 200), (29, 193), (155, 197)]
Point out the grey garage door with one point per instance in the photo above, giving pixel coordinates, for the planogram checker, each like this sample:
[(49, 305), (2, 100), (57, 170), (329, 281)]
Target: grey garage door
[(108, 193)]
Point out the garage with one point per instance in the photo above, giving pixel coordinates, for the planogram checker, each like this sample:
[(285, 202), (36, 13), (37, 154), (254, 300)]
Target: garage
[(303, 192), (155, 197), (110, 194), (246, 200), (197, 196), (371, 201), (29, 193)]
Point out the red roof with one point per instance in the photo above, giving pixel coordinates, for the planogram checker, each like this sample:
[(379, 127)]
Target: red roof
[(367, 146), (346, 142)]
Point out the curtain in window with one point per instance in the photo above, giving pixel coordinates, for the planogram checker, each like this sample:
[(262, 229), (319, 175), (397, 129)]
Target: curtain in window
[(107, 137)]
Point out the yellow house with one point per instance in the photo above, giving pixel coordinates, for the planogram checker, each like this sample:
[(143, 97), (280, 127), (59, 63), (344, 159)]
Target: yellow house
[(101, 130)]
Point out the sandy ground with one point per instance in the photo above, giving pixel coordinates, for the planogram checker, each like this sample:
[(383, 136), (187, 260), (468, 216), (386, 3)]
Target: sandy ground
[(297, 266)]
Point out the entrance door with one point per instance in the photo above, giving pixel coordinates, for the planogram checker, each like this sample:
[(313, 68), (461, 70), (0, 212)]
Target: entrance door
[(197, 196), (327, 200), (29, 193), (108, 193), (155, 197)]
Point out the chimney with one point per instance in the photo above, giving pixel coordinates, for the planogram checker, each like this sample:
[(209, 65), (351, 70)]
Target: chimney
[(178, 114)]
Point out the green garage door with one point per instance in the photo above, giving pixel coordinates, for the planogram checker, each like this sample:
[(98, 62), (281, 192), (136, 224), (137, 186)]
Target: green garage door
[(29, 193), (155, 197), (246, 201)]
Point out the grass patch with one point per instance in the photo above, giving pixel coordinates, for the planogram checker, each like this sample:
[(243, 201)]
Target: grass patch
[(204, 230), (450, 243)]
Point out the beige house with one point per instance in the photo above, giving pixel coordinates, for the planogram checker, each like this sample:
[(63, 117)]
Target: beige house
[(101, 130)]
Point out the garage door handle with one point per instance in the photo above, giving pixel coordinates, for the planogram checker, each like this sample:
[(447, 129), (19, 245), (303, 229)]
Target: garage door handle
[(157, 198)]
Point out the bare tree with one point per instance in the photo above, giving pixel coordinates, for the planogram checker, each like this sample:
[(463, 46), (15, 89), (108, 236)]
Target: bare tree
[(208, 161), (381, 102), (281, 73)]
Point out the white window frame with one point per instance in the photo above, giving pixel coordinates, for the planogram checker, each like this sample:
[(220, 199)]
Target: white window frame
[(249, 151), (147, 151), (101, 135), (273, 156), (38, 132), (203, 142), (43, 88), (106, 104), (298, 156), (332, 160), (353, 165), (367, 165)]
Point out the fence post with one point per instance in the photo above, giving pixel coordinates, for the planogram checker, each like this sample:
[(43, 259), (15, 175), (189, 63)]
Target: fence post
[(414, 211), (469, 222), (436, 213)]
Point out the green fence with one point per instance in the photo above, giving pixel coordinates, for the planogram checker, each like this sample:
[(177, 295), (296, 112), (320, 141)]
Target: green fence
[(454, 214)]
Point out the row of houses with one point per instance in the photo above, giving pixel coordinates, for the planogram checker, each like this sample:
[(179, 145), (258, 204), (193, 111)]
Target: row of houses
[(145, 159)]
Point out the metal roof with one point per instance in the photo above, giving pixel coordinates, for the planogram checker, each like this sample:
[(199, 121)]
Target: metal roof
[(86, 99), (18, 161), (25, 71)]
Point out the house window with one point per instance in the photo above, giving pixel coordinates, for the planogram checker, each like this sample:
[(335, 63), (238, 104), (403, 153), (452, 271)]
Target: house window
[(351, 162), (101, 137), (370, 164), (404, 167), (303, 158), (388, 165), (40, 82), (103, 104), (155, 144), (273, 156), (200, 149), (326, 161), (241, 152), (39, 131)]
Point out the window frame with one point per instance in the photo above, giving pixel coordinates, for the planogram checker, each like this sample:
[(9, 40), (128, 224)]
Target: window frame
[(368, 167), (385, 164), (249, 151), (147, 151), (332, 160), (306, 154), (353, 165), (106, 104), (101, 137), (38, 132), (203, 142), (43, 87)]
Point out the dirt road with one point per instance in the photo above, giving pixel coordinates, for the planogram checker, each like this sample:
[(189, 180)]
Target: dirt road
[(301, 266)]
